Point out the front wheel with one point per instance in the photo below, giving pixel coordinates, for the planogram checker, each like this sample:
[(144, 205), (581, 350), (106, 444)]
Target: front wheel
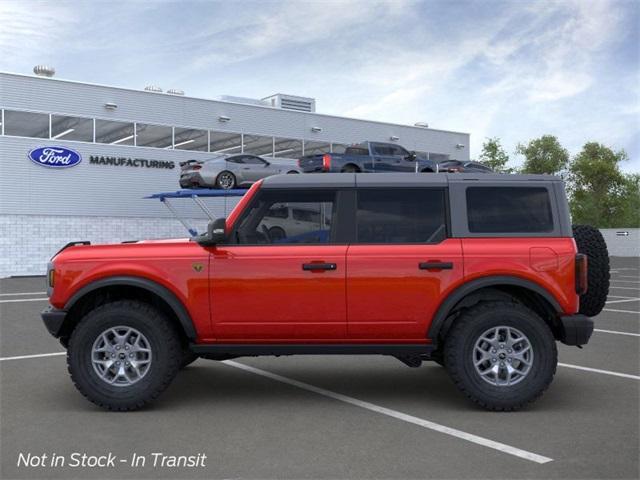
[(501, 355), (124, 354)]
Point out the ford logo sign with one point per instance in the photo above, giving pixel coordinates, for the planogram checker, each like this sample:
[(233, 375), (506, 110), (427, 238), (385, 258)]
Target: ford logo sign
[(55, 157)]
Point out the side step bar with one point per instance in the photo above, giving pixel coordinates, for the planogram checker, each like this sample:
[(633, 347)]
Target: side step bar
[(249, 350)]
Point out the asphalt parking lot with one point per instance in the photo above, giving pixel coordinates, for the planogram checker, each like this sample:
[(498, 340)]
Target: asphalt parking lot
[(327, 417)]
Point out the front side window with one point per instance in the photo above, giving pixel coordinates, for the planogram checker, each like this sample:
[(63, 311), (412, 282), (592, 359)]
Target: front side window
[(395, 216), (268, 222), (509, 210)]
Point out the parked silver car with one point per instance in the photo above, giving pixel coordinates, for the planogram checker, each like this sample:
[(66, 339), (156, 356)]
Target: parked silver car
[(231, 171)]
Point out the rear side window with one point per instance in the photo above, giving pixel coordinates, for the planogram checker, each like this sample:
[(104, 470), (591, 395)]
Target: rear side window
[(401, 216), (509, 210)]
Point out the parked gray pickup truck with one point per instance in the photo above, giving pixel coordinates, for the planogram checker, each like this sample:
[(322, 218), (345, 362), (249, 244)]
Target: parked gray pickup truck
[(372, 157)]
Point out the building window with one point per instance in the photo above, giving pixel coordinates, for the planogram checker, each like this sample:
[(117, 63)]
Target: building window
[(157, 136), (225, 142), (287, 148), (71, 128), (509, 210), (26, 124), (258, 145), (114, 133), (316, 148), (397, 216), (190, 139)]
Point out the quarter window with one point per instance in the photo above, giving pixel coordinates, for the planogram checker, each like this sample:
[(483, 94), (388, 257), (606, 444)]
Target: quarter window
[(401, 216), (509, 210), (268, 221)]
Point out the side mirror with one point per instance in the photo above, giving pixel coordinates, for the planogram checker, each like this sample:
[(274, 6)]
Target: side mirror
[(215, 233), (412, 156)]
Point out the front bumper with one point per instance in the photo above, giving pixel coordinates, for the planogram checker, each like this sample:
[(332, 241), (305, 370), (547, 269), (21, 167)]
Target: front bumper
[(575, 329), (54, 320)]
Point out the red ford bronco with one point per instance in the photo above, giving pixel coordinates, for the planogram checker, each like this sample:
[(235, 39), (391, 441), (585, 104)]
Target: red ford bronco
[(481, 273)]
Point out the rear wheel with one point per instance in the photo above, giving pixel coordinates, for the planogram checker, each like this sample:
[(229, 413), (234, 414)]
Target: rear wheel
[(501, 355), (226, 180), (292, 172), (590, 242), (123, 355), (350, 169)]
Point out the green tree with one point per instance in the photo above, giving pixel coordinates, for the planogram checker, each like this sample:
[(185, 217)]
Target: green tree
[(601, 195), (494, 156), (543, 155)]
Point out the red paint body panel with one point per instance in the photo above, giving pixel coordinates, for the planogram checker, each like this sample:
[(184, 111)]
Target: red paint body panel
[(168, 263), (547, 262), (261, 293), (389, 298)]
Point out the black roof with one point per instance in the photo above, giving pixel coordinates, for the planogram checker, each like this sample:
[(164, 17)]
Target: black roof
[(324, 180)]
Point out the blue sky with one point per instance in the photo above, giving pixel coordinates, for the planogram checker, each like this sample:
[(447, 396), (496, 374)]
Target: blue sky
[(515, 70)]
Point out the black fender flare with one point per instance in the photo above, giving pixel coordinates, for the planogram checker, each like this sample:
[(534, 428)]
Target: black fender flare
[(468, 288), (153, 287)]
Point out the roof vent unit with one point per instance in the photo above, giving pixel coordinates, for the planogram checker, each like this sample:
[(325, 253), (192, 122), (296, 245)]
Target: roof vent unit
[(175, 91), (153, 88), (44, 71), (244, 100), (291, 102)]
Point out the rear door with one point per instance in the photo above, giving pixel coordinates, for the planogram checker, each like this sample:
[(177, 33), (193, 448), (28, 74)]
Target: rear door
[(401, 264), (282, 281)]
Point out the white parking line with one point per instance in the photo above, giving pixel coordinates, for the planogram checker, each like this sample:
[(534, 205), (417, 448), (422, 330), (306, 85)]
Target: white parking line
[(624, 281), (620, 311), (622, 301), (17, 300), (24, 357), (485, 442), (597, 370), (637, 289), (22, 293), (616, 332), (627, 276)]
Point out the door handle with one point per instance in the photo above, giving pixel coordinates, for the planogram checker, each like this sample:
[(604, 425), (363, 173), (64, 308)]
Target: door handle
[(318, 266), (435, 266)]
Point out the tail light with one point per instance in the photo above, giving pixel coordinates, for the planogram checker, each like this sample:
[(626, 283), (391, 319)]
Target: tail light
[(326, 162), (299, 162), (582, 280)]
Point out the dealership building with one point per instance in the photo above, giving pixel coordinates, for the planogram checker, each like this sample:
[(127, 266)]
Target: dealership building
[(129, 144)]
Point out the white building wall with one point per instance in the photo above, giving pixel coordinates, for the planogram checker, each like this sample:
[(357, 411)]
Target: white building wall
[(620, 245), (46, 234)]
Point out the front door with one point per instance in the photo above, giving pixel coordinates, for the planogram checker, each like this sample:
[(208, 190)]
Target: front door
[(281, 278), (401, 264)]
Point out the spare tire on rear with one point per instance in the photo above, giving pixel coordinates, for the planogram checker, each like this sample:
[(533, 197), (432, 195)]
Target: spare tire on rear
[(591, 242)]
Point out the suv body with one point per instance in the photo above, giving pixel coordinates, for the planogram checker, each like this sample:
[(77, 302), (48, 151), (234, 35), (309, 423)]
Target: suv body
[(393, 264), (368, 157)]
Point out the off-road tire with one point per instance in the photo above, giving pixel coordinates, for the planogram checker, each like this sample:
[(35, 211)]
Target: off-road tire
[(167, 354), (459, 346), (591, 242)]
